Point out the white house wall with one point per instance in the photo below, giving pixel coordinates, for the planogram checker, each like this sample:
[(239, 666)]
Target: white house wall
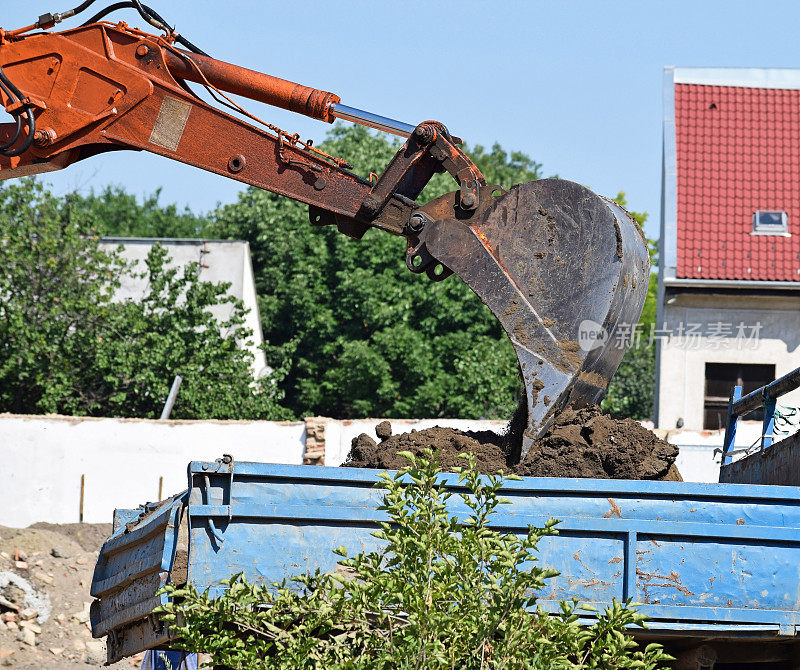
[(681, 374)]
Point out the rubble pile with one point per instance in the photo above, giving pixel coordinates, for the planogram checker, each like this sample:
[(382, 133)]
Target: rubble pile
[(45, 577)]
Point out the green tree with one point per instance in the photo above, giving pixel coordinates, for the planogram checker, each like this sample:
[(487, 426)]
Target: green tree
[(354, 331), (365, 336), (631, 392), (115, 213), (440, 593), (66, 346)]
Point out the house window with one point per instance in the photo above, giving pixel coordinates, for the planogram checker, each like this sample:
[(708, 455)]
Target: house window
[(768, 222), (720, 380)]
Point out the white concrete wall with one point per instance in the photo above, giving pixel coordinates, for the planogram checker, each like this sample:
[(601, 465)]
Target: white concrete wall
[(121, 459), (681, 374), (696, 460)]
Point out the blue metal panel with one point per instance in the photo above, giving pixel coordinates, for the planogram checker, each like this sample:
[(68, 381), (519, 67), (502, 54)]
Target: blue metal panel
[(768, 426), (123, 517), (271, 473), (717, 573), (133, 564), (731, 424), (714, 559), (747, 469), (690, 552)]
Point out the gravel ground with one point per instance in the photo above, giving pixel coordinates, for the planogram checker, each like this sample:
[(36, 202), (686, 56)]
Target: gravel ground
[(45, 576)]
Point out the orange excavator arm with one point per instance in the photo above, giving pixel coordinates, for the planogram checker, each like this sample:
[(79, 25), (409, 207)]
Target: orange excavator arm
[(103, 87), (547, 257)]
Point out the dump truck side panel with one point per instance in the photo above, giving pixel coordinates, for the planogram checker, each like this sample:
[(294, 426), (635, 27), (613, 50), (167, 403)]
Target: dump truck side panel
[(703, 559)]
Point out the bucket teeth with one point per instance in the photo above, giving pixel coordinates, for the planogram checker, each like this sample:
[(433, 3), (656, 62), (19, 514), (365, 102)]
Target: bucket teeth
[(564, 270)]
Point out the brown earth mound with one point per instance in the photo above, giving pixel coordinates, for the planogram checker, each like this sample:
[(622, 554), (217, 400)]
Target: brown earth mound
[(449, 442), (588, 443), (580, 443)]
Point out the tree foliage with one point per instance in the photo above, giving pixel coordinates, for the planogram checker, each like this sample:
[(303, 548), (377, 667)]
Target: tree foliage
[(631, 392), (355, 333), (67, 346), (116, 213), (362, 336), (439, 594)]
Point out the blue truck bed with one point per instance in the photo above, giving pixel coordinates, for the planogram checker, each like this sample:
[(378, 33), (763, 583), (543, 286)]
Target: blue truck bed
[(717, 561)]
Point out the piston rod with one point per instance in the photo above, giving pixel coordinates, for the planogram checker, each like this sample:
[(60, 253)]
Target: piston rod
[(371, 120)]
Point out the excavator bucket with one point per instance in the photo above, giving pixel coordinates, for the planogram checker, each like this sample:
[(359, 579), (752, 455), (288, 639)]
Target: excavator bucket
[(565, 271)]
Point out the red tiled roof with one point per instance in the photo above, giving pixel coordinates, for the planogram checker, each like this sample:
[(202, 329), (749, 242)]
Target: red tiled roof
[(737, 151)]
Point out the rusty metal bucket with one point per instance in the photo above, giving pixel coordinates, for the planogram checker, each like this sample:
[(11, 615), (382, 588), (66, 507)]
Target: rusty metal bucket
[(565, 271)]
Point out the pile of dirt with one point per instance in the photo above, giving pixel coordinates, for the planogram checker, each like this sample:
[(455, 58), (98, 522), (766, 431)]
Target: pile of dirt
[(580, 443), (588, 443), (449, 442), (45, 577)]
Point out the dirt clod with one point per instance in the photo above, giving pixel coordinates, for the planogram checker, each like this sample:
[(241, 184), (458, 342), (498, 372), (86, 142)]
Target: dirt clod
[(383, 430), (588, 443), (580, 443)]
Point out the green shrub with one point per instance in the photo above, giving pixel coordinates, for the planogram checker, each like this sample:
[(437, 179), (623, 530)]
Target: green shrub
[(68, 346), (441, 593)]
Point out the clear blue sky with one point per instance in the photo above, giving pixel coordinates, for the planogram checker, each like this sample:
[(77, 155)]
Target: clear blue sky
[(576, 85)]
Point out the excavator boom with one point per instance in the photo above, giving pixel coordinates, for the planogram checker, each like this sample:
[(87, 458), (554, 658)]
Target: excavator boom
[(545, 257)]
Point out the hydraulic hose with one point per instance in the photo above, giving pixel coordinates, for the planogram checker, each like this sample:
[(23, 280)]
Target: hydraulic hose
[(149, 15), (14, 93)]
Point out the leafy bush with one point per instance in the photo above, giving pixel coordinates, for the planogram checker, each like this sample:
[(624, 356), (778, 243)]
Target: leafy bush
[(67, 346), (442, 593)]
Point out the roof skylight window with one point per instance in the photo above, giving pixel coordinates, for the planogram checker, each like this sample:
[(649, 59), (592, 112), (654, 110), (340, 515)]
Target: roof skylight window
[(769, 222)]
